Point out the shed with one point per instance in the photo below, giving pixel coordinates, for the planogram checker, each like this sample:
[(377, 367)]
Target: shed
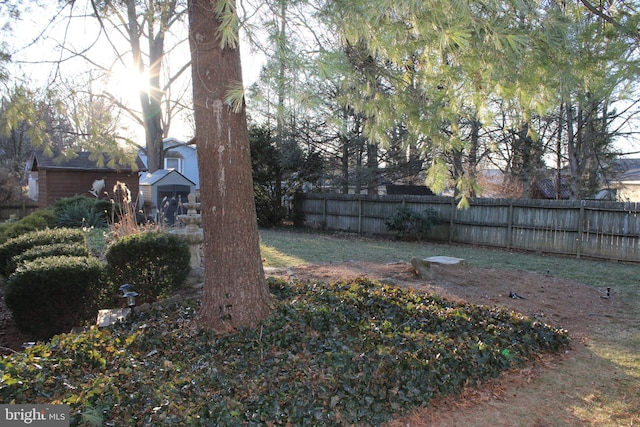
[(54, 178), (164, 189)]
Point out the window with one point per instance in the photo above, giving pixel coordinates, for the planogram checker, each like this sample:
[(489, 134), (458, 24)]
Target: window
[(173, 163)]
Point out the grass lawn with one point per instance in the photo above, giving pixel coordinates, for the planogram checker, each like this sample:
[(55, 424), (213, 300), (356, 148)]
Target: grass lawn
[(281, 248)]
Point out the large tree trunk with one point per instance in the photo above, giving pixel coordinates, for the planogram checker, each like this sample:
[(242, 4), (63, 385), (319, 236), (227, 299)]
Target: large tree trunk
[(159, 18), (472, 161), (235, 290), (559, 153), (572, 153), (344, 164), (372, 169), (152, 108)]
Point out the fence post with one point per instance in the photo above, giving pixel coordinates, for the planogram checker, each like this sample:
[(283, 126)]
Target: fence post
[(452, 218), (510, 225), (580, 230), (360, 215), (324, 210)]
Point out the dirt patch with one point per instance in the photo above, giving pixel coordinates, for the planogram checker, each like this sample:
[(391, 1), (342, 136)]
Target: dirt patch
[(556, 301), (519, 397)]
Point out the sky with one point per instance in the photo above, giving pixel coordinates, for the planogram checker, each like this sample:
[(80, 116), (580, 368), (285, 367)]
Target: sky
[(38, 62)]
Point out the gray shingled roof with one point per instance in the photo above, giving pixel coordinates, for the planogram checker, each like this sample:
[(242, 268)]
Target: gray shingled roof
[(81, 161), (547, 188), (625, 169)]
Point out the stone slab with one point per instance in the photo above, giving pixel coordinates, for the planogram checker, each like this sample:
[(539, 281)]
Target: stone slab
[(109, 316), (445, 260), (423, 267)]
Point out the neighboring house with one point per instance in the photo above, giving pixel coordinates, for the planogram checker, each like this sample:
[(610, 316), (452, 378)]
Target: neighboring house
[(179, 156), (625, 179), (162, 192), (50, 180)]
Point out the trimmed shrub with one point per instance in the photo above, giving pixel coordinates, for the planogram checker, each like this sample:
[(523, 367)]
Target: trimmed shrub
[(55, 249), (51, 295), (408, 223), (81, 211), (38, 220), (154, 263), (17, 245)]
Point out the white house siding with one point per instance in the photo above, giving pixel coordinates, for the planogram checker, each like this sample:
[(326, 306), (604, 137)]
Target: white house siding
[(629, 191)]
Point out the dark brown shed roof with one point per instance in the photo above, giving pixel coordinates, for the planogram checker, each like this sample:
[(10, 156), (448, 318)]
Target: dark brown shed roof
[(82, 160)]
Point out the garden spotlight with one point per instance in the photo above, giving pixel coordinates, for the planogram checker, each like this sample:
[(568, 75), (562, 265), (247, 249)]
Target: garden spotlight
[(130, 295)]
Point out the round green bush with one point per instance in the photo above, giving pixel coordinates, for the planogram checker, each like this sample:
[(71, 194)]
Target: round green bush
[(17, 245), (408, 223), (38, 220), (51, 295), (55, 249), (154, 263)]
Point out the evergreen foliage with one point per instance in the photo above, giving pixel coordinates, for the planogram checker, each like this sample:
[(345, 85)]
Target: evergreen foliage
[(51, 295), (346, 353), (19, 244), (409, 223), (154, 263), (42, 251), (38, 220), (81, 211)]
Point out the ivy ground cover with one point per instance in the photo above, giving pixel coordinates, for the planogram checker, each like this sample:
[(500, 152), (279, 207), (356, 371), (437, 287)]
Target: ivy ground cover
[(344, 353)]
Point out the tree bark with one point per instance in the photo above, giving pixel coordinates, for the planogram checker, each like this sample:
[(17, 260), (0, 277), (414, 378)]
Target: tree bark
[(235, 289), (472, 162), (151, 100), (572, 152), (372, 169)]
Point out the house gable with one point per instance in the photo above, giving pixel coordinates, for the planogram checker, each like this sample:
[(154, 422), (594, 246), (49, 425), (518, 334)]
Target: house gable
[(154, 186), (180, 156)]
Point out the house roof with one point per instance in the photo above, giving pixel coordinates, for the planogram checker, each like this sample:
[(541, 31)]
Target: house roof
[(160, 174), (547, 188), (626, 170), (173, 154), (81, 161), (624, 164), (629, 175)]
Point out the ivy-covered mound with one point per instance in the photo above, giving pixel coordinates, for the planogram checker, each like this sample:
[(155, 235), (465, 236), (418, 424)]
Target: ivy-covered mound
[(345, 353)]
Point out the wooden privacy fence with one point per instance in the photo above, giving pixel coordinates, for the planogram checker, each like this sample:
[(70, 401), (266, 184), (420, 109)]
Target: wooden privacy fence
[(605, 230), (17, 210)]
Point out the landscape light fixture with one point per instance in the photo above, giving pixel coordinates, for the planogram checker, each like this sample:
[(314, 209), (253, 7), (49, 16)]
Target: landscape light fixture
[(130, 295)]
